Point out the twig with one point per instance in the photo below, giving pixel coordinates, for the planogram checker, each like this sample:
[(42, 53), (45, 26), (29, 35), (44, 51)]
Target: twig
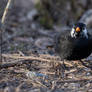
[(75, 81), (6, 11), (2, 22), (11, 64), (23, 59)]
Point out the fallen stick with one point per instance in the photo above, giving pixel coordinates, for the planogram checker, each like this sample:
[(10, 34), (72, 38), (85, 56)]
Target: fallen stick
[(26, 57), (11, 64), (75, 81), (6, 11), (2, 22), (23, 59)]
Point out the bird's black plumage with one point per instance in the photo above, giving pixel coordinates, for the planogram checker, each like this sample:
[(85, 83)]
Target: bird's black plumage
[(74, 48)]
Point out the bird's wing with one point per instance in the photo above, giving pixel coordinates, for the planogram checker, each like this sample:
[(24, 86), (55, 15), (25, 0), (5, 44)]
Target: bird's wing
[(63, 42)]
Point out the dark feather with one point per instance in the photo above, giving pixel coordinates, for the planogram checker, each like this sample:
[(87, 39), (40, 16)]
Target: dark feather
[(73, 48)]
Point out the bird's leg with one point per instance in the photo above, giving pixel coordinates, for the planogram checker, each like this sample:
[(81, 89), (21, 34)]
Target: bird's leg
[(64, 65), (63, 70)]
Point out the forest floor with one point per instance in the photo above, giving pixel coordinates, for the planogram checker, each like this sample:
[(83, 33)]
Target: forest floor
[(29, 62)]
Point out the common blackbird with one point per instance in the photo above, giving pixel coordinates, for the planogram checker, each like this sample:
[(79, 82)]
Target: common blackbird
[(75, 44)]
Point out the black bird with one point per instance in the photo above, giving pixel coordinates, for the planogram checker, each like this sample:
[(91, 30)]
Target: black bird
[(75, 44)]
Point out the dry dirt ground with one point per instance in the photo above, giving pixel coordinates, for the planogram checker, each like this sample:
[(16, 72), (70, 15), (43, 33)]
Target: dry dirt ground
[(29, 62)]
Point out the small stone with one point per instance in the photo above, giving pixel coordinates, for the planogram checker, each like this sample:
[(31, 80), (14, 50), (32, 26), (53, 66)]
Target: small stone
[(88, 74)]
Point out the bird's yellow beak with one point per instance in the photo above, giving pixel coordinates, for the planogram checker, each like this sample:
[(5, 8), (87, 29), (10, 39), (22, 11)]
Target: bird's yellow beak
[(77, 29)]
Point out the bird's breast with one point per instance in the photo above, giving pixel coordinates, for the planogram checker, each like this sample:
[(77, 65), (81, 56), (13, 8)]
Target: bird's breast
[(74, 49)]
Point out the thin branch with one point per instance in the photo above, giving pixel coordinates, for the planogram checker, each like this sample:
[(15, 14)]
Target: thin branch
[(19, 59), (2, 22), (75, 81), (22, 59), (29, 58), (6, 11)]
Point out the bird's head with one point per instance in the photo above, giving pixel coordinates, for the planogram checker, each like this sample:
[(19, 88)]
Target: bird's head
[(79, 30)]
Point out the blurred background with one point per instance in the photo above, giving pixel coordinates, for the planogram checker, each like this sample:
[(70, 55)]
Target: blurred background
[(29, 29), (28, 21)]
